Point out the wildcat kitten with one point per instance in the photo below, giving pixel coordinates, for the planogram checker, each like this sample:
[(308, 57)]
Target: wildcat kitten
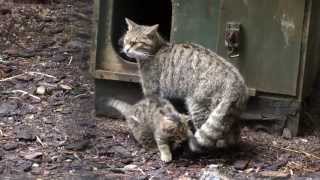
[(154, 122), (213, 89)]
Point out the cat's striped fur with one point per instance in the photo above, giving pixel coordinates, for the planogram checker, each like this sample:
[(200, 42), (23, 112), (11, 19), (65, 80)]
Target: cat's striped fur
[(154, 122), (213, 89)]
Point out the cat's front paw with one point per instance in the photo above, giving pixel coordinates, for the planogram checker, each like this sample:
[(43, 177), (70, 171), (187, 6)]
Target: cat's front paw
[(166, 158), (194, 145)]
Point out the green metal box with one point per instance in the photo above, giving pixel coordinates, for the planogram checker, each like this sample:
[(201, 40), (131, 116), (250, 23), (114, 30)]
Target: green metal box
[(272, 42)]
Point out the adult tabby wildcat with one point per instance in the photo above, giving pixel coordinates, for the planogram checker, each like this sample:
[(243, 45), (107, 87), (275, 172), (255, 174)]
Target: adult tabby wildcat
[(154, 122), (213, 89)]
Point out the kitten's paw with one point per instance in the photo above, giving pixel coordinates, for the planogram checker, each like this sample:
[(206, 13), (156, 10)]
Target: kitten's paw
[(221, 143), (194, 145), (166, 158)]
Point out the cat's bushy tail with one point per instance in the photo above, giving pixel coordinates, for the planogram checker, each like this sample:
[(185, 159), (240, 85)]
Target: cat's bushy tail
[(119, 105)]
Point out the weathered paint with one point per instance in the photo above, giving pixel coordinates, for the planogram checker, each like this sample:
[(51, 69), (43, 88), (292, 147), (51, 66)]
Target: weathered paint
[(287, 28), (270, 46)]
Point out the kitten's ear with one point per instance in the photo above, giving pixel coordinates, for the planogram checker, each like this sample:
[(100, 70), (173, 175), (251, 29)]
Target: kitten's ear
[(167, 123), (162, 112), (130, 24), (151, 29), (165, 110)]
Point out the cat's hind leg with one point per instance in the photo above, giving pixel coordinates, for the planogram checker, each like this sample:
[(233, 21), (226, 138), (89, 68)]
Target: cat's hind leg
[(198, 110), (232, 137), (216, 125), (199, 113)]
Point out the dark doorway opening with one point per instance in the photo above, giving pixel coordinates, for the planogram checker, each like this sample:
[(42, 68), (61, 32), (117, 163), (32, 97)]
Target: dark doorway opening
[(146, 12)]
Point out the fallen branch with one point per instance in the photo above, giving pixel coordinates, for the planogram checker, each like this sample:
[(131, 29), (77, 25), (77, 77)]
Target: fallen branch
[(31, 73), (3, 62), (26, 93), (12, 77), (42, 74), (40, 142), (70, 61), (299, 152)]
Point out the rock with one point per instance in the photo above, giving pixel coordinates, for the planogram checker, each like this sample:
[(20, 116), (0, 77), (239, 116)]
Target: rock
[(26, 53), (83, 35), (78, 146), (65, 87), (59, 58), (6, 108), (275, 174), (130, 167), (240, 164), (183, 177), (2, 167), (286, 133), (10, 146), (56, 30), (36, 171), (215, 172), (23, 165), (1, 154), (159, 174), (120, 151), (109, 176), (276, 165), (25, 78), (25, 134), (41, 90), (32, 155), (4, 11), (35, 165), (75, 45)]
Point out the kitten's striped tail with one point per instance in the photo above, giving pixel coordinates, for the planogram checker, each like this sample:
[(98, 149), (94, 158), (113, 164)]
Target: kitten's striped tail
[(119, 105)]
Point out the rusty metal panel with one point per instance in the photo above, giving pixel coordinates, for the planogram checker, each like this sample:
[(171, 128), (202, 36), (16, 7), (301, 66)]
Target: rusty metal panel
[(271, 35)]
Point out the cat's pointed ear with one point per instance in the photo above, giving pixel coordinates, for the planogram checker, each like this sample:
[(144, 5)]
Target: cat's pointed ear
[(130, 24), (151, 29)]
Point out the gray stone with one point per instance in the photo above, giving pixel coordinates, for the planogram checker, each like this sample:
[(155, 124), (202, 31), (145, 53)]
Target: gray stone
[(6, 108), (286, 133), (120, 151), (41, 90), (215, 172), (25, 134), (23, 165), (240, 164), (10, 146)]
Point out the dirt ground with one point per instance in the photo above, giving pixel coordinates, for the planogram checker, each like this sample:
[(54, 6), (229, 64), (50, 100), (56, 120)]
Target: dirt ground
[(48, 129)]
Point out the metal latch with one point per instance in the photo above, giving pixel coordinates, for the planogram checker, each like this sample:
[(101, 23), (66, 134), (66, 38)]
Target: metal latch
[(232, 39)]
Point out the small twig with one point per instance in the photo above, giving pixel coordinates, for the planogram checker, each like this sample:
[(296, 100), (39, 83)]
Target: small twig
[(40, 142), (15, 98), (299, 152), (12, 77), (76, 156), (26, 93), (139, 169), (80, 95), (39, 73), (70, 61), (31, 73)]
